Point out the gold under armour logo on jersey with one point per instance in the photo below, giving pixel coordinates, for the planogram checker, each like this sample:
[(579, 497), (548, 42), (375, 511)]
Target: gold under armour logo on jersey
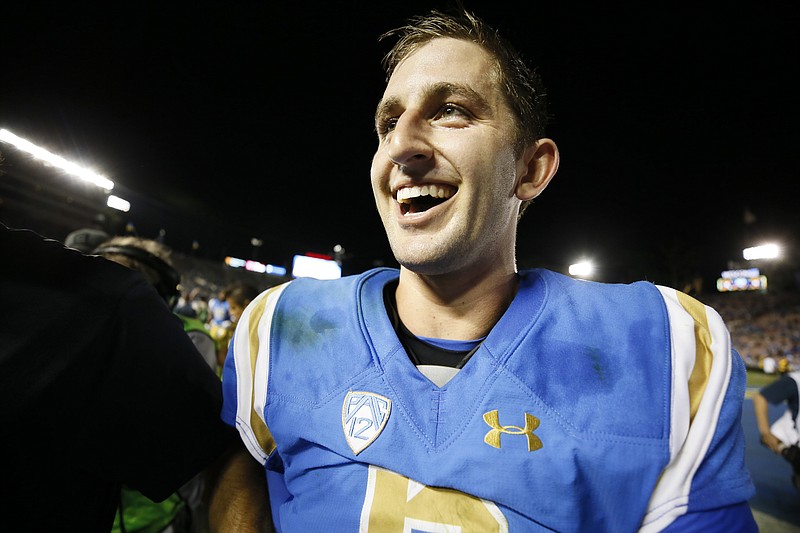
[(492, 438)]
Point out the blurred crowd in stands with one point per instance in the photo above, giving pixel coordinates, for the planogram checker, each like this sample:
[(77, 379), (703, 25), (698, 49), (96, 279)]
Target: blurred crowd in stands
[(202, 279), (764, 326)]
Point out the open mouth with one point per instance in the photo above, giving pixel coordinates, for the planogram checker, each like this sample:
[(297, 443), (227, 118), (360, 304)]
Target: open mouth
[(420, 198)]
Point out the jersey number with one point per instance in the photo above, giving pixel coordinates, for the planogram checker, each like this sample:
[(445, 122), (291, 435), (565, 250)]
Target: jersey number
[(396, 503)]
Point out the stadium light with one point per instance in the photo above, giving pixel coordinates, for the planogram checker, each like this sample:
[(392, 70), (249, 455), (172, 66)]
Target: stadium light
[(57, 161), (765, 251), (120, 204), (582, 269)]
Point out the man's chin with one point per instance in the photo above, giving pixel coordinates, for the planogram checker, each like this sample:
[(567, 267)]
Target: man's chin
[(427, 266), (428, 255)]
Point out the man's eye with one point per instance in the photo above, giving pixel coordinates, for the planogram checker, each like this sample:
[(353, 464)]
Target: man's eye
[(386, 125), (451, 111)]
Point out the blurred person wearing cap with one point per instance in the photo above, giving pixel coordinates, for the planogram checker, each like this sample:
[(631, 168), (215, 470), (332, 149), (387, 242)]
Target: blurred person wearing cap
[(86, 239), (153, 260)]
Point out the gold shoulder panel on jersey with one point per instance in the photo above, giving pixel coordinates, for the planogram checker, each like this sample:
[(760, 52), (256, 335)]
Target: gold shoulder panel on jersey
[(703, 355), (700, 373), (251, 353), (263, 436)]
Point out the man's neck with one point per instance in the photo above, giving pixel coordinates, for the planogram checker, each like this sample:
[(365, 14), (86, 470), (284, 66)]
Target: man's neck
[(454, 307)]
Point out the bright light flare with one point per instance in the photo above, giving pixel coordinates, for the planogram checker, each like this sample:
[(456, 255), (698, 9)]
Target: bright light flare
[(57, 161), (765, 251), (255, 266), (235, 262), (583, 269), (120, 204)]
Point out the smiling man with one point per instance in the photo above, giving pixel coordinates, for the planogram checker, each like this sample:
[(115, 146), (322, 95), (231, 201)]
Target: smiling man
[(434, 398)]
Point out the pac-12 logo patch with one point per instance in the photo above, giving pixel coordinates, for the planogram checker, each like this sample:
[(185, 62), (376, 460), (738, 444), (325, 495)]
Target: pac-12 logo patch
[(364, 415)]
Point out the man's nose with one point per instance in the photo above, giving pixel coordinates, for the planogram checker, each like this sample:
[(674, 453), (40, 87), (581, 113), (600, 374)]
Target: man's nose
[(409, 143)]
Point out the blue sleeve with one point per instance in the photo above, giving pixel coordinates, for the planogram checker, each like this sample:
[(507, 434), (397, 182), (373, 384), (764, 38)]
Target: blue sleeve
[(278, 496), (229, 396), (733, 519)]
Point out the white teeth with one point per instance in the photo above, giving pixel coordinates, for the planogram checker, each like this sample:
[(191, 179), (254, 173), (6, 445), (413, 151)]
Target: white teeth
[(405, 194)]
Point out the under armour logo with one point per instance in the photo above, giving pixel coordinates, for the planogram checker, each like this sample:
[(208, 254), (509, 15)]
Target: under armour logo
[(492, 438)]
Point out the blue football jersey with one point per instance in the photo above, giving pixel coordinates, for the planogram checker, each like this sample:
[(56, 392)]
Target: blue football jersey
[(588, 407)]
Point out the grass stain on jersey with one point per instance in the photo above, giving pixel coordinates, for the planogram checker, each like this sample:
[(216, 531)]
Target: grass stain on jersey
[(303, 330), (597, 364)]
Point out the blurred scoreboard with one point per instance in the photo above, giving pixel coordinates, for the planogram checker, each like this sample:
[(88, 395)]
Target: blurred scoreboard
[(316, 266), (749, 279)]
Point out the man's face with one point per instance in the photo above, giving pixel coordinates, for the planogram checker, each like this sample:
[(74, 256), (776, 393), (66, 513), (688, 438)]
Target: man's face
[(445, 170)]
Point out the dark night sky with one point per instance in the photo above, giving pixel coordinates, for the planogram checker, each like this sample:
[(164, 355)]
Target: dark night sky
[(221, 121)]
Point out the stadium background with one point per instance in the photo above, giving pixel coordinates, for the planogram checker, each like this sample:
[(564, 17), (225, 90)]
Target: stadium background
[(246, 131)]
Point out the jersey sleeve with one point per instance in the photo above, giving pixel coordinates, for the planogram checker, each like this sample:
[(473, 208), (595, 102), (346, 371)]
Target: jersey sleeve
[(732, 519), (245, 376), (706, 468)]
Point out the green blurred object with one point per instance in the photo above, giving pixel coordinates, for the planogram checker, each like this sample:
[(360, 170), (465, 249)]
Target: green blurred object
[(142, 515)]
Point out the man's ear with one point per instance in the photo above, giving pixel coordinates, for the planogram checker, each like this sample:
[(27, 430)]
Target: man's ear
[(535, 168)]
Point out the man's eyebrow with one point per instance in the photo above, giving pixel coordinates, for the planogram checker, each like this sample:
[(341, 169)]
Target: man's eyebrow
[(438, 91), (385, 107), (443, 90)]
